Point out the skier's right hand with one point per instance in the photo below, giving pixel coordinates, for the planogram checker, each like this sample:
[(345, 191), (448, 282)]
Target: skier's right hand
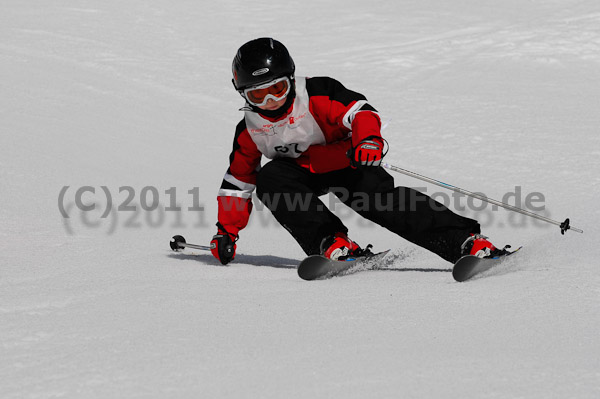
[(223, 245), (369, 152)]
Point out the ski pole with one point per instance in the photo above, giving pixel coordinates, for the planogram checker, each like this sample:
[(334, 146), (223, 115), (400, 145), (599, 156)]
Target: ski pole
[(178, 243), (564, 226)]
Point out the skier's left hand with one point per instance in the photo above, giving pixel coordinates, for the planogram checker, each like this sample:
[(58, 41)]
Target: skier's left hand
[(368, 152), (223, 245)]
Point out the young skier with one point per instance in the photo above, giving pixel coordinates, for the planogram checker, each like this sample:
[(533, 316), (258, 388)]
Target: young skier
[(321, 137)]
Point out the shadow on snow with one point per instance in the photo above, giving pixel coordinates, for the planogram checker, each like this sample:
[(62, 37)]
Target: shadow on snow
[(284, 263), (254, 260)]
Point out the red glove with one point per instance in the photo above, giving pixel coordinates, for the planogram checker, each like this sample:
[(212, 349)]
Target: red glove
[(223, 245), (233, 216), (368, 152)]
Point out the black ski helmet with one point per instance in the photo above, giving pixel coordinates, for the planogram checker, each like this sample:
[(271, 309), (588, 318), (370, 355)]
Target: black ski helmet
[(260, 61)]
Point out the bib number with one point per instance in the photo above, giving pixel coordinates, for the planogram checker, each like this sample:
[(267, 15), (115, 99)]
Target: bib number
[(284, 149)]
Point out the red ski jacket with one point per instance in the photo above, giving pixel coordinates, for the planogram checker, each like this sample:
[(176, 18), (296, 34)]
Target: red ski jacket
[(324, 122)]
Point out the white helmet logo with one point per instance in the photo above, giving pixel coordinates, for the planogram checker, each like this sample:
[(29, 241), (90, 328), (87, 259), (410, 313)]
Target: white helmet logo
[(261, 71)]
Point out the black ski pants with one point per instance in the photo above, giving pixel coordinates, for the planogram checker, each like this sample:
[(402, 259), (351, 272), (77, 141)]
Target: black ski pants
[(291, 193)]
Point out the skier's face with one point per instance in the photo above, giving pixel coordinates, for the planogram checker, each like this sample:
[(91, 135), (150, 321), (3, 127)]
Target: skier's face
[(272, 105)]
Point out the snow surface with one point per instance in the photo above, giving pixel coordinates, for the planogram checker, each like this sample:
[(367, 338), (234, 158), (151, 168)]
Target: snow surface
[(487, 95)]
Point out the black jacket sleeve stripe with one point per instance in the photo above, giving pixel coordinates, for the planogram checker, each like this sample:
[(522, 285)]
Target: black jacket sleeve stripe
[(326, 86)]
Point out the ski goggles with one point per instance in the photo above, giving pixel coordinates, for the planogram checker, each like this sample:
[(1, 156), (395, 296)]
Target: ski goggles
[(275, 90)]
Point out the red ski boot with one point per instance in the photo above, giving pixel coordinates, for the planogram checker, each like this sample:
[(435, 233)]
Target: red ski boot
[(339, 247), (478, 245)]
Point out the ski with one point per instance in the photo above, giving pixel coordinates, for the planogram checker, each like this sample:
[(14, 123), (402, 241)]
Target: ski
[(469, 265), (317, 267)]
